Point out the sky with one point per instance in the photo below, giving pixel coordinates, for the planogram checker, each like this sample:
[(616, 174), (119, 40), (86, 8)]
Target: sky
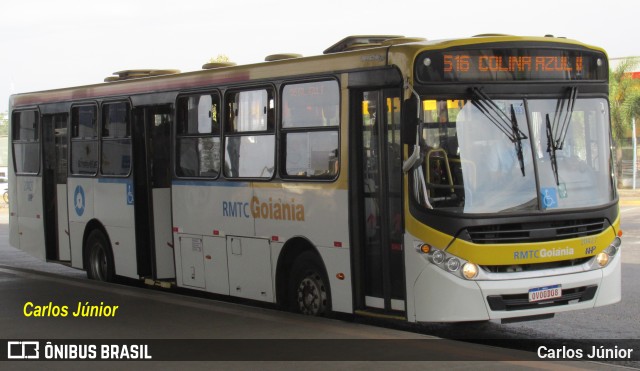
[(49, 44)]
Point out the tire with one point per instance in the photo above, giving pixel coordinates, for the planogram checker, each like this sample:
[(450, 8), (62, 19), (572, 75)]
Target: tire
[(5, 197), (99, 265), (309, 287)]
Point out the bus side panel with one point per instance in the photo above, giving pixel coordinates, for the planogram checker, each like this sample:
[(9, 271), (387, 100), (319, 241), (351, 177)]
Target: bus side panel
[(30, 221), (64, 249), (317, 213), (336, 261), (165, 263), (80, 205), (250, 269), (314, 211), (215, 265), (201, 263), (201, 208), (14, 236), (114, 210)]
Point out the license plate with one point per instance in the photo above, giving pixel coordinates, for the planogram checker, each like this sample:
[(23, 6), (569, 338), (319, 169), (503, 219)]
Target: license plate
[(545, 293)]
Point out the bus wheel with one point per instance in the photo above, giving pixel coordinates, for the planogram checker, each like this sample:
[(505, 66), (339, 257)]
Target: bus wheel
[(309, 287), (100, 263)]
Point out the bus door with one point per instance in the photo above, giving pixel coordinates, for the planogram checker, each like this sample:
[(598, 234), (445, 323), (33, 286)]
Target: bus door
[(377, 190), (152, 191), (54, 186)]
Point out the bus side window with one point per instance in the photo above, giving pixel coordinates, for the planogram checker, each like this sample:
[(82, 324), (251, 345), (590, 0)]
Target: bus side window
[(310, 128), (198, 136), (249, 143)]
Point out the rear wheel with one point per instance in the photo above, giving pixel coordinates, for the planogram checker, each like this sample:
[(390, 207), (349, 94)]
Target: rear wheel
[(100, 265), (309, 290)]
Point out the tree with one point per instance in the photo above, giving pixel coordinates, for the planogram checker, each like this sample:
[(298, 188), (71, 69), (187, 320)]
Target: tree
[(624, 97), (4, 123), (220, 58)]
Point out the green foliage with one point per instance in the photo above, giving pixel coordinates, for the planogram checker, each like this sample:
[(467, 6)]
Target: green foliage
[(624, 97), (220, 58), (4, 123)]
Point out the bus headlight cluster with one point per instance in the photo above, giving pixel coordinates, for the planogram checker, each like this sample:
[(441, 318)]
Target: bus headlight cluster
[(450, 263), (605, 256)]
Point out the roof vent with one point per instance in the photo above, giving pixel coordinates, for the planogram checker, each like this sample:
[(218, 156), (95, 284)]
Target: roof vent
[(281, 56), (214, 65), (402, 40), (135, 74), (491, 35), (353, 47), (359, 42)]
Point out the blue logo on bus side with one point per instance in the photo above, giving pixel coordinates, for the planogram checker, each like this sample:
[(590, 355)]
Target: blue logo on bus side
[(78, 198), (129, 194)]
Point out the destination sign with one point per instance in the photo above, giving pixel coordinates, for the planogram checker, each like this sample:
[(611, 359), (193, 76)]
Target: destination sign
[(510, 64)]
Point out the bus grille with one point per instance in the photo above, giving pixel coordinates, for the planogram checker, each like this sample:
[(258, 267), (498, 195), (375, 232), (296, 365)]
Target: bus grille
[(535, 232), (535, 266), (521, 301)]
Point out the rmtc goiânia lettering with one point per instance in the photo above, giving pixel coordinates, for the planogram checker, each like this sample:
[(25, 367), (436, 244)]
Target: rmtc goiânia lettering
[(542, 253), (271, 209)]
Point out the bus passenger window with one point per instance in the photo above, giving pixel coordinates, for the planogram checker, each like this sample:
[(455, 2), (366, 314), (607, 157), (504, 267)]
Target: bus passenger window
[(84, 140), (116, 139), (249, 136), (198, 136), (310, 123), (25, 142)]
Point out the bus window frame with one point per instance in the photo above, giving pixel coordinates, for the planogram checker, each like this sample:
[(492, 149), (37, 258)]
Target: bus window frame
[(101, 137), (38, 141), (176, 136), (282, 133), (227, 133), (71, 138)]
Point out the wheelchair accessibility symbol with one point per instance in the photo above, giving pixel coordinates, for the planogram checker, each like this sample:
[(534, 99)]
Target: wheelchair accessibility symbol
[(79, 201), (549, 198)]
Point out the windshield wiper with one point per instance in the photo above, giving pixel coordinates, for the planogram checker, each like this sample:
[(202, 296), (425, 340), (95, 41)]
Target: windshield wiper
[(557, 133), (509, 126), (551, 149), (518, 142), (561, 124)]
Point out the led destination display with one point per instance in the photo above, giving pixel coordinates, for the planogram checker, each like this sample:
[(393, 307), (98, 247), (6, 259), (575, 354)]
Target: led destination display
[(510, 64)]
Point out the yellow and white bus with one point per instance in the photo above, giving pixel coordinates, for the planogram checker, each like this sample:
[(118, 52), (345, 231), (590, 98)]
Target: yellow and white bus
[(450, 180)]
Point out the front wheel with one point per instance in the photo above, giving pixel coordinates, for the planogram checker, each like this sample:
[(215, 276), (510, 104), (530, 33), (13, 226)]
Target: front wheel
[(5, 197), (309, 288), (100, 265)]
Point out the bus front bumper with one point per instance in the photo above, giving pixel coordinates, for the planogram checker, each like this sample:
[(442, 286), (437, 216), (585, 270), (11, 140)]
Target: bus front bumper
[(442, 297)]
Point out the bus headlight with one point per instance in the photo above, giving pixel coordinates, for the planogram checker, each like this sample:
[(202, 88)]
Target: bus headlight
[(605, 256), (437, 257), (470, 271), (453, 264), (448, 262), (613, 248), (603, 259)]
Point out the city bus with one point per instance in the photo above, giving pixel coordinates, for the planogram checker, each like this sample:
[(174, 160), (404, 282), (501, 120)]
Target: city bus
[(417, 180)]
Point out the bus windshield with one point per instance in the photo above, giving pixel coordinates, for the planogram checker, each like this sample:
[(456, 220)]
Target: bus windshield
[(508, 156)]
